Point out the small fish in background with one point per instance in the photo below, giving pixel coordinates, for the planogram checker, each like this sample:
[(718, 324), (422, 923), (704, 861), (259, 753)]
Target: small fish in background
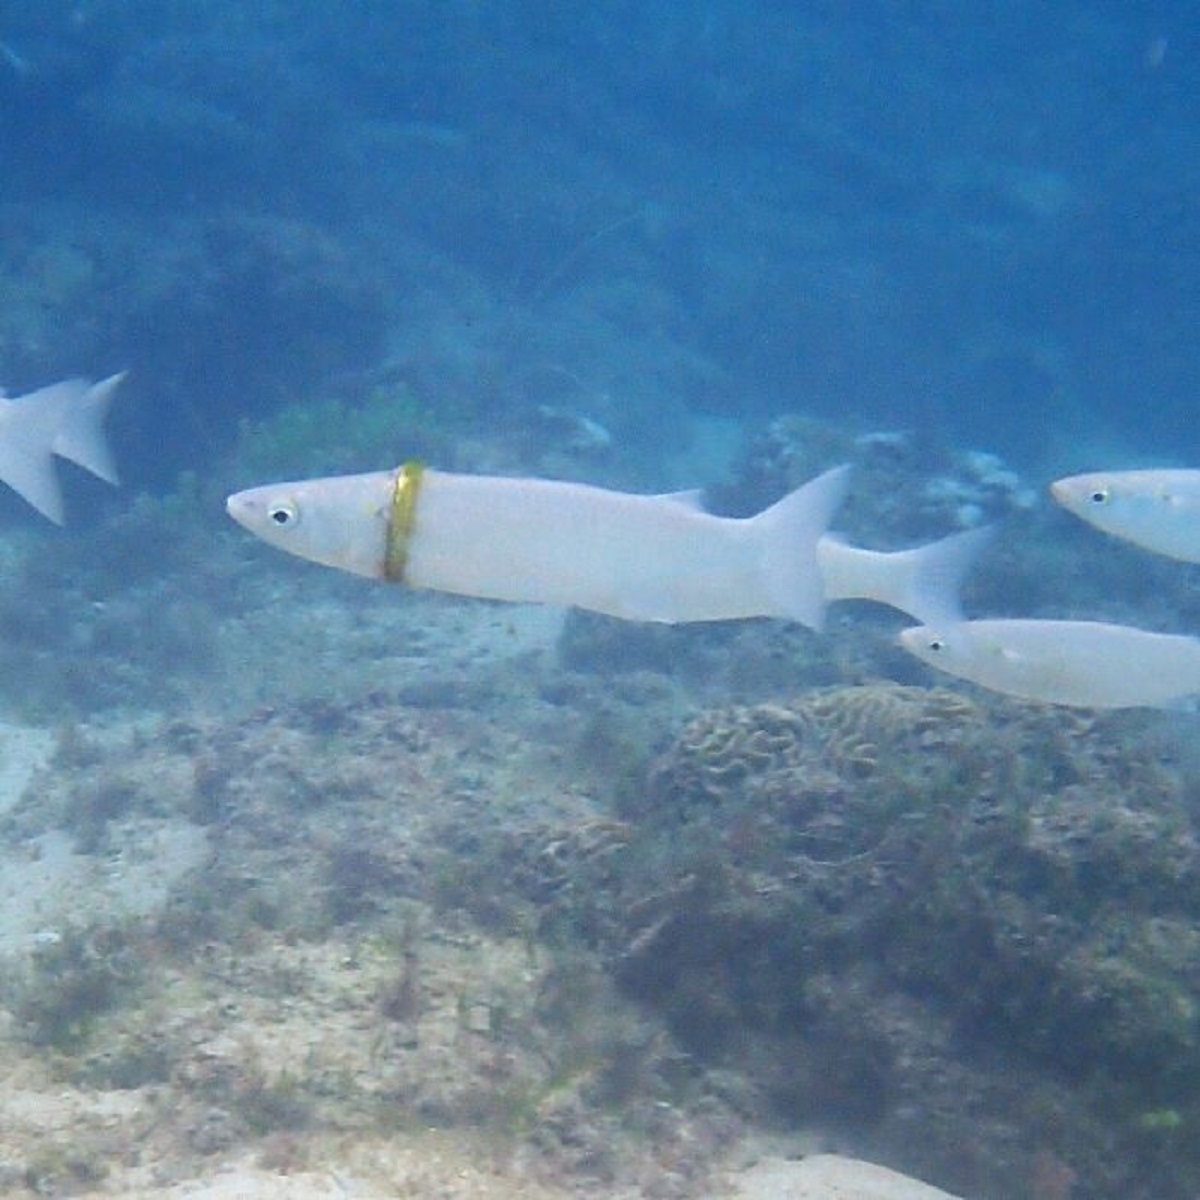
[(638, 557), (65, 420), (1155, 53), (1158, 510), (18, 64), (1088, 664)]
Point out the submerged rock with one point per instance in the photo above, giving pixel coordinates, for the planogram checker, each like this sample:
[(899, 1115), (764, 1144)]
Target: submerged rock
[(830, 1177)]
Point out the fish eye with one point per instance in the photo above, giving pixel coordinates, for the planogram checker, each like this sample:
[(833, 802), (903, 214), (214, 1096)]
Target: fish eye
[(1098, 496), (936, 644), (283, 514)]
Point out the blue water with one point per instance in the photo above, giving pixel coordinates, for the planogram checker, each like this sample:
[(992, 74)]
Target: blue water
[(624, 242), (939, 216)]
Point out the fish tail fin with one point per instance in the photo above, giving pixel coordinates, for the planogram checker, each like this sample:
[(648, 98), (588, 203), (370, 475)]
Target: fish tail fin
[(30, 426), (80, 436), (29, 470), (792, 529), (925, 581)]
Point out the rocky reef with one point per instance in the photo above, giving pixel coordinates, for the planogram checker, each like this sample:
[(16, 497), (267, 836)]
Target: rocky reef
[(935, 919), (952, 934)]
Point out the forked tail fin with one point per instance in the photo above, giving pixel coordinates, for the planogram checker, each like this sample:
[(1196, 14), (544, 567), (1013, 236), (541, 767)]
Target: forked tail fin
[(28, 427), (923, 582), (80, 436), (64, 419)]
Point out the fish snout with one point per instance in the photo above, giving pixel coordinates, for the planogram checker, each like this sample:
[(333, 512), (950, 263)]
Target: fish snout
[(240, 507)]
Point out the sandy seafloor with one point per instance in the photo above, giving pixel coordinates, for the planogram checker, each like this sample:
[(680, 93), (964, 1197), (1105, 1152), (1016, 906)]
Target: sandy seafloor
[(229, 1023)]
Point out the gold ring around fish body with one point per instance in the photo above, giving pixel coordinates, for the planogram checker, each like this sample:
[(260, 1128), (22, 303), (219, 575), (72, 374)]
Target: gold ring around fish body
[(401, 520)]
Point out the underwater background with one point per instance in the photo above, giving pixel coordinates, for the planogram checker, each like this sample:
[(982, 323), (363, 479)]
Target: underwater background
[(311, 878)]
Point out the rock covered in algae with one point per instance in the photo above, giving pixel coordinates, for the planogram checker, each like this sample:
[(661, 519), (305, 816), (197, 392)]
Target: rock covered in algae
[(844, 892)]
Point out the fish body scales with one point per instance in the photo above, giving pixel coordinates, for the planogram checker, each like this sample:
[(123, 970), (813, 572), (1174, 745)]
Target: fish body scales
[(639, 557)]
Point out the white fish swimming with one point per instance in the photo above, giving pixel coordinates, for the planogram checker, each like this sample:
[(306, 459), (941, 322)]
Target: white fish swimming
[(1158, 510), (64, 419), (1090, 664), (642, 558)]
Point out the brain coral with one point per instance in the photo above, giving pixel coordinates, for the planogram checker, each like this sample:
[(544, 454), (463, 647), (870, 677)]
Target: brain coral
[(848, 730)]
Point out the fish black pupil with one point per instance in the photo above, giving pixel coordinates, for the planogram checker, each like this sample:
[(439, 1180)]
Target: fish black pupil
[(1099, 497), (280, 516)]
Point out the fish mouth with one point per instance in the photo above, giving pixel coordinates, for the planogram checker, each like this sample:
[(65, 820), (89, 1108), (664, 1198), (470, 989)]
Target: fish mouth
[(912, 637), (1060, 491), (238, 507)]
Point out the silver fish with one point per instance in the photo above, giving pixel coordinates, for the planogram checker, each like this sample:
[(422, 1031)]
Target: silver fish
[(1158, 510), (642, 558), (1090, 664)]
